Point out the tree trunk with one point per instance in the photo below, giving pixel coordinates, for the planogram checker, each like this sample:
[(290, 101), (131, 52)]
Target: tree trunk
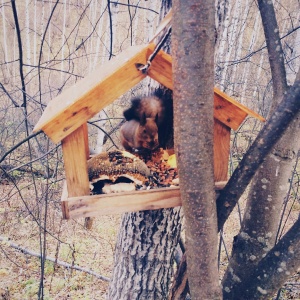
[(269, 187), (144, 254), (255, 238), (272, 271), (143, 262), (193, 66)]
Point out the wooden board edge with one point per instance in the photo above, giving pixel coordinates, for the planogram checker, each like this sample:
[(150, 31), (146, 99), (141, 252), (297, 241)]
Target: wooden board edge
[(238, 104), (161, 71), (91, 206), (219, 185), (64, 201), (96, 205), (48, 117), (221, 150), (75, 162)]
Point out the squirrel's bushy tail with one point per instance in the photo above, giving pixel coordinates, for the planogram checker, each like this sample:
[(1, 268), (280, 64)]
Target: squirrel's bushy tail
[(132, 113)]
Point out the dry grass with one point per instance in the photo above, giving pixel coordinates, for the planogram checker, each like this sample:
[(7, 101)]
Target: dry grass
[(20, 273)]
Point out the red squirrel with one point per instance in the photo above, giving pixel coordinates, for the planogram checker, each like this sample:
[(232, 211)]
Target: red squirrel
[(151, 106), (143, 120), (137, 135)]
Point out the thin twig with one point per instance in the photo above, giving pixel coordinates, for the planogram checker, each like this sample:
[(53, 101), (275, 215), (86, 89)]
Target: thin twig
[(8, 95), (15, 14), (55, 261), (136, 6), (245, 58), (280, 227), (111, 30), (19, 144), (41, 49), (106, 134)]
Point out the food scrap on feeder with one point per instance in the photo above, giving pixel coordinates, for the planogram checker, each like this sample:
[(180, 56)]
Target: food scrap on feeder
[(120, 171), (119, 168), (162, 164)]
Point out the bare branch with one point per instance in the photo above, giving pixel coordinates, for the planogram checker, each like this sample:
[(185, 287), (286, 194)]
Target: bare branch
[(55, 261), (245, 58), (19, 144), (9, 96), (272, 271), (20, 47), (41, 49), (136, 6), (111, 30), (274, 46), (266, 139)]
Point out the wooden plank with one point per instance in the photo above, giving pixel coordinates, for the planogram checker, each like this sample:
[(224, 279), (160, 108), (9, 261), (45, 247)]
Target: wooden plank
[(228, 113), (238, 104), (227, 110), (74, 153), (86, 140), (91, 206), (75, 105), (221, 150), (64, 204), (161, 69)]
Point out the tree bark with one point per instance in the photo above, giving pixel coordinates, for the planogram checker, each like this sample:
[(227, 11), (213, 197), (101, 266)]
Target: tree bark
[(143, 262), (270, 184), (268, 136), (272, 271), (180, 286), (276, 57), (144, 255), (193, 66)]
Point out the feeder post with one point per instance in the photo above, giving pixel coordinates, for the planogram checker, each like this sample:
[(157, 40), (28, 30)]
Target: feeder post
[(75, 154), (221, 150)]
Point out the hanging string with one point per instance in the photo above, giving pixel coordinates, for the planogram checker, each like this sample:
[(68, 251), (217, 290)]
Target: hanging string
[(144, 68)]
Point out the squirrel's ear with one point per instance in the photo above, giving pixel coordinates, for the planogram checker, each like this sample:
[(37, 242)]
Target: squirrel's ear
[(143, 119)]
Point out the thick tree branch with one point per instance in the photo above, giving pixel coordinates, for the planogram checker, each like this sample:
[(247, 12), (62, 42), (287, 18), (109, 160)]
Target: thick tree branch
[(272, 271), (265, 196), (266, 139), (276, 57)]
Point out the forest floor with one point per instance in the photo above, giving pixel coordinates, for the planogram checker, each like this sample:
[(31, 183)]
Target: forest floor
[(70, 242)]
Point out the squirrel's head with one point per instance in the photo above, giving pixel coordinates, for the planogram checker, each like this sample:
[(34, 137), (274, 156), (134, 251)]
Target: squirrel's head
[(148, 133)]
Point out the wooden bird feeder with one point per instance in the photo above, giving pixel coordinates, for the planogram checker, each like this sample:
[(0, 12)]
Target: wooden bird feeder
[(65, 119)]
